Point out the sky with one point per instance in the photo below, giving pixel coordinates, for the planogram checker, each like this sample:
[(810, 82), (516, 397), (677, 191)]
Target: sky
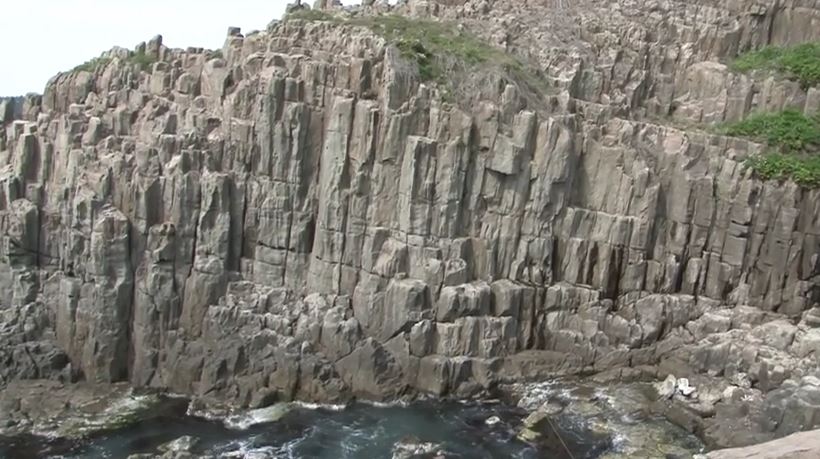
[(39, 38)]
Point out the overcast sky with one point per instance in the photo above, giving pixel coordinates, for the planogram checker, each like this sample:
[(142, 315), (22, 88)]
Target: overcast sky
[(39, 38)]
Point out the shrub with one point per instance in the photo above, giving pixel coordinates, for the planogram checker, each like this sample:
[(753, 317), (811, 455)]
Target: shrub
[(801, 62), (794, 138), (92, 65), (790, 130), (431, 44), (142, 60), (310, 15), (803, 169), (434, 46)]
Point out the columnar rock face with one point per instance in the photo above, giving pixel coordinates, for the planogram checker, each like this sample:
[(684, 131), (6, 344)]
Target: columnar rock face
[(299, 216)]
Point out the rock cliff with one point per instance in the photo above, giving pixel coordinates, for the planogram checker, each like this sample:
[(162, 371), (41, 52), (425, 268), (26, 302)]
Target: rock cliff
[(302, 215)]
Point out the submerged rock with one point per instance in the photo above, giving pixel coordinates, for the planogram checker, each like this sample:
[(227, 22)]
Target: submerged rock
[(412, 448), (182, 444), (667, 388), (258, 416), (618, 418)]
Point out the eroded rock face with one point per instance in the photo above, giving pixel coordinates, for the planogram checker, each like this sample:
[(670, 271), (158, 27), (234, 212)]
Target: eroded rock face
[(301, 217), (803, 445), (73, 411)]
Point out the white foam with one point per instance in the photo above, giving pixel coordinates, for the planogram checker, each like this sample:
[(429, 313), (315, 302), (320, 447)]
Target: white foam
[(131, 403), (118, 413), (492, 420), (245, 451), (259, 416), (536, 394), (619, 442), (203, 413), (398, 403), (318, 406)]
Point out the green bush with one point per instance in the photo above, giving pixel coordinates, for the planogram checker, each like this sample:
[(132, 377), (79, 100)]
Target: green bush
[(310, 15), (434, 46), (414, 50), (92, 65), (790, 130), (801, 62), (142, 60), (803, 169), (794, 139)]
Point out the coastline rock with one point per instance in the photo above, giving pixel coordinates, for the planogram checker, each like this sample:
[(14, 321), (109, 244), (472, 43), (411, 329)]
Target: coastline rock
[(73, 411), (802, 445), (616, 420), (182, 444), (667, 388), (304, 215), (411, 448)]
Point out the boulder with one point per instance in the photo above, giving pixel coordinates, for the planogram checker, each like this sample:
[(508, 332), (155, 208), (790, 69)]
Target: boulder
[(802, 445)]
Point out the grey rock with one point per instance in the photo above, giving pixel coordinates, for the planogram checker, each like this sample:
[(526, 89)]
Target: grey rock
[(182, 444), (667, 388), (303, 217), (372, 371), (803, 445), (463, 300), (411, 448)]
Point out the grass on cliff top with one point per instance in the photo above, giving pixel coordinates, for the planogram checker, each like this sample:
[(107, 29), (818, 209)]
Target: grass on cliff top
[(434, 46), (313, 15), (800, 62), (794, 141), (141, 59)]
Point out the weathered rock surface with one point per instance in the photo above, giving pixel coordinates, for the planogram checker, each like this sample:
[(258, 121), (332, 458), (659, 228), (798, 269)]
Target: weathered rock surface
[(803, 445), (70, 411), (299, 216), (410, 448), (609, 421)]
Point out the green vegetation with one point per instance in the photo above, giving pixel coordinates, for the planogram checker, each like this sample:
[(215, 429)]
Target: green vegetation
[(790, 131), (801, 62), (92, 65), (804, 170), (312, 15), (437, 48), (794, 140), (140, 59)]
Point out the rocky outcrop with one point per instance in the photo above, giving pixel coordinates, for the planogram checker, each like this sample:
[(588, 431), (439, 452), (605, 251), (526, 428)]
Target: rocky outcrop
[(301, 216), (646, 58), (803, 445), (74, 411)]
